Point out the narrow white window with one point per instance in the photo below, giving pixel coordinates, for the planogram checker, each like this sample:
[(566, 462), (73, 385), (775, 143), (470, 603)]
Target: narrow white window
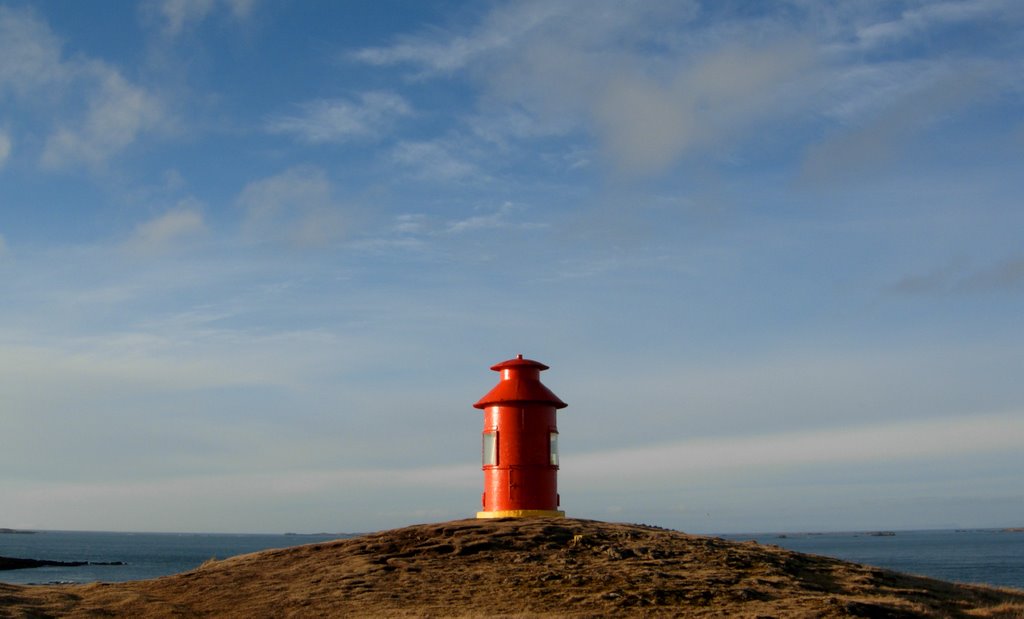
[(554, 449), (490, 448)]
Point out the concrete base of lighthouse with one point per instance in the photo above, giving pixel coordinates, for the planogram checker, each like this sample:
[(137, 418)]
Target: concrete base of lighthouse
[(522, 513)]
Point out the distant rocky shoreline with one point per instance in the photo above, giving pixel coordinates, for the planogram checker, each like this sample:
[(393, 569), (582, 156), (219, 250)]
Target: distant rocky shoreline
[(14, 563), (4, 531)]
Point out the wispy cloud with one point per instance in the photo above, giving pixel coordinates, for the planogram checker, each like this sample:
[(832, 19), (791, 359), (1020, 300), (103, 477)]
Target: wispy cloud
[(118, 112), (652, 89), (880, 443), (511, 28), (559, 66), (101, 112), (439, 55), (883, 120), (647, 124), (5, 147), (29, 53), (958, 278), (410, 223), (176, 16), (178, 13), (503, 217), (503, 124), (295, 206), (166, 231), (865, 91), (152, 502), (433, 161), (927, 17), (339, 120)]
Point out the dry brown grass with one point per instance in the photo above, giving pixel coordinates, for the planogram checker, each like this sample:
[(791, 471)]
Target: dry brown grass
[(520, 569), (1007, 610)]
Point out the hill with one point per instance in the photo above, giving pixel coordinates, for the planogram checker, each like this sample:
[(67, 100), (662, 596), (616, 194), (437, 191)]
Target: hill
[(522, 568)]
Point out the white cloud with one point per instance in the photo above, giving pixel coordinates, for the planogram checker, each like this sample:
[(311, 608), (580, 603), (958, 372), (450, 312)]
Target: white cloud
[(163, 232), (241, 8), (457, 52), (5, 148), (433, 161), (877, 444), (478, 222), (367, 496), (587, 23), (29, 53), (892, 105), (501, 124), (337, 120), (652, 88), (864, 91), (416, 230), (101, 111), (178, 13), (927, 17), (295, 206), (501, 218), (551, 68), (89, 367), (117, 113), (647, 123), (958, 278), (176, 16), (410, 223)]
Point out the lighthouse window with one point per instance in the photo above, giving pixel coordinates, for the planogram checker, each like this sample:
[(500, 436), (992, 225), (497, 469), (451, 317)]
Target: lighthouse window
[(554, 449), (490, 449)]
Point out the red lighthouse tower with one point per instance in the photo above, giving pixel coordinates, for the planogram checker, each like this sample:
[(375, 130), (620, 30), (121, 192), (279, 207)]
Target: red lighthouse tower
[(520, 443)]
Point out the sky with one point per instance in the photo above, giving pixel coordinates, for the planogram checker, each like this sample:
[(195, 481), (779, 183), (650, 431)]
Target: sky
[(256, 258)]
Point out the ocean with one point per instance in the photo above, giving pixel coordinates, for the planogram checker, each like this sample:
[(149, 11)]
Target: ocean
[(985, 556), (145, 555), (979, 556)]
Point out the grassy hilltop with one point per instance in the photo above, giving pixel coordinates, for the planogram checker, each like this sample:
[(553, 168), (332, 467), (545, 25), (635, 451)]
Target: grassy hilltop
[(522, 568)]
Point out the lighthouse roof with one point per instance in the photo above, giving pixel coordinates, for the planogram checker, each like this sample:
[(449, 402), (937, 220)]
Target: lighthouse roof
[(519, 362), (520, 383)]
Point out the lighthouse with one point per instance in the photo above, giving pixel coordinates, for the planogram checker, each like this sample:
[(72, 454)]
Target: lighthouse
[(520, 444)]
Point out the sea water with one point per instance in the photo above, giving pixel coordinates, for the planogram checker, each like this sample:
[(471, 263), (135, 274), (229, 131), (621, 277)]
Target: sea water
[(980, 556), (990, 557), (145, 555)]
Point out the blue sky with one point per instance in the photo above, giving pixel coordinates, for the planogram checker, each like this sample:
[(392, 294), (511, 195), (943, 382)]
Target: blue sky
[(257, 257)]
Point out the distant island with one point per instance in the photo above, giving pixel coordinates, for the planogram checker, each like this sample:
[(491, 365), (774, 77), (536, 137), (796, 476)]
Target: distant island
[(4, 531), (14, 563)]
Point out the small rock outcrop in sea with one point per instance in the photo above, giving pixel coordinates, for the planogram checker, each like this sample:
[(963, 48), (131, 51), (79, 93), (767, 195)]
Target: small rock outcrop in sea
[(523, 568)]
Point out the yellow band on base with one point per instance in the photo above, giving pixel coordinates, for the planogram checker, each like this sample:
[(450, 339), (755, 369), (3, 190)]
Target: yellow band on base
[(522, 513)]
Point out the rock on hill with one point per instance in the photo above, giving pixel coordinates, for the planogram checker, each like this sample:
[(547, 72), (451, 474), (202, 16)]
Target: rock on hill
[(523, 568)]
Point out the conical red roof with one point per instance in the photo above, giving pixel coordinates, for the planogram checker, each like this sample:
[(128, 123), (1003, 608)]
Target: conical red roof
[(520, 383)]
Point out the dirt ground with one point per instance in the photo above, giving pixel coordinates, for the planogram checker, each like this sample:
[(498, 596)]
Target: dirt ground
[(522, 568)]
